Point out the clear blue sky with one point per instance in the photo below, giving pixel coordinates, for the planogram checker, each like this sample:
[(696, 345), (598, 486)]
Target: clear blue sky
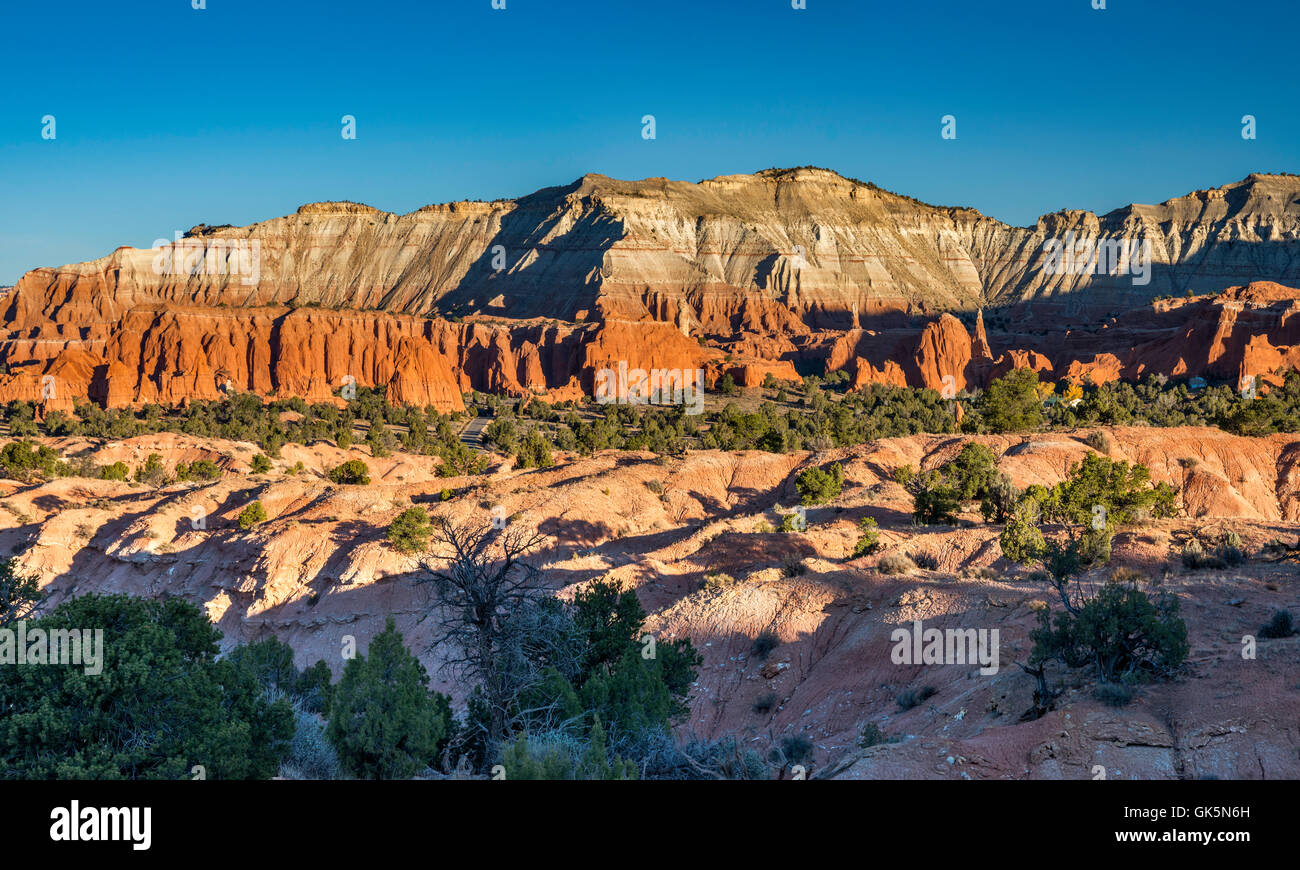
[(168, 117)]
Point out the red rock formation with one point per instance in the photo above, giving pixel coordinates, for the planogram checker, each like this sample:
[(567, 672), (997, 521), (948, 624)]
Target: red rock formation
[(1244, 331), (151, 354), (943, 354), (890, 374), (980, 347), (648, 345), (755, 275), (753, 374)]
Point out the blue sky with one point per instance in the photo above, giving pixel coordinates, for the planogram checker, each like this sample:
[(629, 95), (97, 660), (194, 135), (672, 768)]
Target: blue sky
[(167, 117)]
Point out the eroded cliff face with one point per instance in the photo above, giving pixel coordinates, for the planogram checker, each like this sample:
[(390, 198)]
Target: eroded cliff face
[(777, 268), (745, 252), (164, 355), (1250, 331)]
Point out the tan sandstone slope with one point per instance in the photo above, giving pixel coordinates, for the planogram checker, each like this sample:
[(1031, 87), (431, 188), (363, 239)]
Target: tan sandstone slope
[(319, 569)]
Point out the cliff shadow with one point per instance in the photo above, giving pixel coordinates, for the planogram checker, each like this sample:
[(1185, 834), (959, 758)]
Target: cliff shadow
[(523, 269)]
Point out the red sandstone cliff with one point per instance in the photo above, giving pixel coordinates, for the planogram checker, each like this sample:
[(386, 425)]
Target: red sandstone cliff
[(151, 354), (754, 275)]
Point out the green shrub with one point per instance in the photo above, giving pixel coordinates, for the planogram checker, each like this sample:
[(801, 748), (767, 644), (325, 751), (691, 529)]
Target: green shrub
[(19, 593), (260, 464), (116, 471), (598, 666), (910, 698), (1124, 492), (384, 722), (252, 516), (409, 532), (972, 472), (560, 756), (269, 662), (152, 472), (25, 461), (1011, 402), (314, 688), (933, 500), (380, 440), (871, 735), (766, 641), (501, 434), (161, 703), (869, 539), (818, 486), (1120, 632), (534, 451), (199, 469), (1094, 546), (1097, 494), (1281, 625), (457, 459), (632, 695), (354, 471), (998, 504)]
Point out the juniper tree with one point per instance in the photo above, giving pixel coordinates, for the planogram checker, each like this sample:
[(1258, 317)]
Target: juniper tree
[(19, 593), (384, 721)]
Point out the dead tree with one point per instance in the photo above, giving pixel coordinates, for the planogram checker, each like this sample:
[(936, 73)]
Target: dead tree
[(480, 582)]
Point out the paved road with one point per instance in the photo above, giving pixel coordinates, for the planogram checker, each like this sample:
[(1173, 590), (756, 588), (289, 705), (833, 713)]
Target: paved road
[(472, 435)]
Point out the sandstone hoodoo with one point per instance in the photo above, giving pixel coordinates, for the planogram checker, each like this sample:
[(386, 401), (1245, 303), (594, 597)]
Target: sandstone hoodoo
[(777, 273)]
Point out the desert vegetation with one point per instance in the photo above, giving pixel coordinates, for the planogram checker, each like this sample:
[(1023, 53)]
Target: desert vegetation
[(818, 413), (562, 678)]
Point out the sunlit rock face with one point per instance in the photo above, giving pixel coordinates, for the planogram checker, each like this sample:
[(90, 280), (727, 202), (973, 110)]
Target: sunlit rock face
[(752, 274)]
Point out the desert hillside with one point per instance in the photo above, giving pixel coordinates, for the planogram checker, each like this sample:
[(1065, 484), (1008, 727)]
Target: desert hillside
[(697, 538)]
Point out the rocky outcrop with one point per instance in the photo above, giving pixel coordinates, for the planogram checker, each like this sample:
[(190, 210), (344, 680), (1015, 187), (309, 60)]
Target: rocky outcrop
[(1251, 331), (759, 253), (167, 356), (778, 269)]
